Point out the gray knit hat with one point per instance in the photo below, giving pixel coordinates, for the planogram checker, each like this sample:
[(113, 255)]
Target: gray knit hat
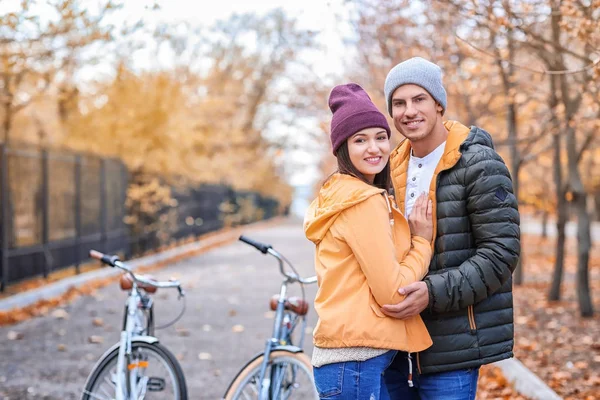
[(417, 71)]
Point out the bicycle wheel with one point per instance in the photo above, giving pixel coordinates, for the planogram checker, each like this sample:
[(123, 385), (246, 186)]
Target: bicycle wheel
[(290, 376), (159, 377)]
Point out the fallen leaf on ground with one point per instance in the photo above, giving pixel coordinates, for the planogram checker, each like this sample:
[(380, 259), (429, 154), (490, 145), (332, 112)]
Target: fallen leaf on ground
[(96, 339), (60, 314), (270, 314), (556, 343), (13, 335), (183, 331)]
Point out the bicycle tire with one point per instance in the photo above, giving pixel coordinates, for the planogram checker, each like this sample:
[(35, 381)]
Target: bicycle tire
[(252, 369), (160, 351)]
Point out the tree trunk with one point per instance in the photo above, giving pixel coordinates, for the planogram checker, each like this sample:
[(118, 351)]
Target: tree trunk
[(579, 199), (583, 256), (7, 123), (515, 164), (545, 224), (508, 85), (584, 240), (596, 204), (561, 208)]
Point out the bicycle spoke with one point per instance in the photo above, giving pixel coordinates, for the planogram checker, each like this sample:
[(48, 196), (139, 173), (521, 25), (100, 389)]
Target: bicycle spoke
[(106, 393), (95, 396), (247, 396), (110, 382)]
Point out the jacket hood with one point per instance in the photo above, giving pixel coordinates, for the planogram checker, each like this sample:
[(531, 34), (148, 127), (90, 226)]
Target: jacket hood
[(340, 192), (477, 136)]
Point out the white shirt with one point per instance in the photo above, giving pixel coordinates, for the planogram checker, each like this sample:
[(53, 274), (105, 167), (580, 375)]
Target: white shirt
[(419, 174)]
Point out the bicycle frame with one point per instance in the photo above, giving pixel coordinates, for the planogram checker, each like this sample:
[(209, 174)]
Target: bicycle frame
[(133, 330), (127, 385)]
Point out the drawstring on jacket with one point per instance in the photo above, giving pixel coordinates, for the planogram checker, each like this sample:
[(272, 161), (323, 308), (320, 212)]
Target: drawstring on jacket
[(410, 375), (387, 202)]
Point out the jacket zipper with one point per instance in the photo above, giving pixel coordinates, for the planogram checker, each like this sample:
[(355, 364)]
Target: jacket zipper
[(434, 210), (472, 324), (470, 310)]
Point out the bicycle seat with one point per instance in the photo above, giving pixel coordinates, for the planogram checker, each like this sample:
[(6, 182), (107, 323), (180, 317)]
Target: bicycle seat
[(126, 283), (293, 304)]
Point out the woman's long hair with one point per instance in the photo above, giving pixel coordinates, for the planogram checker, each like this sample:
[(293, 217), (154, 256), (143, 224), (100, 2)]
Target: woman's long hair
[(382, 180)]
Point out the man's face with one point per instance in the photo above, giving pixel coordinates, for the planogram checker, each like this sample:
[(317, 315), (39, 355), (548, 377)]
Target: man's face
[(415, 112)]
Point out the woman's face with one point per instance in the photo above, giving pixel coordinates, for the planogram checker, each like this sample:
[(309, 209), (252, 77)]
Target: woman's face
[(369, 151)]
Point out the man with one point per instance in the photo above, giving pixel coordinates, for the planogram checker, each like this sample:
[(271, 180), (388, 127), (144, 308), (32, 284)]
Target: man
[(466, 298)]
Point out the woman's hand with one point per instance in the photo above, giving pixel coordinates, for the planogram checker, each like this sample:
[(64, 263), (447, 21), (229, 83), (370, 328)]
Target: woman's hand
[(420, 219)]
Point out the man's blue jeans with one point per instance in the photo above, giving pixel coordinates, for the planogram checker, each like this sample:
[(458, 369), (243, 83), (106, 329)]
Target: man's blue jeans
[(452, 385), (354, 380)]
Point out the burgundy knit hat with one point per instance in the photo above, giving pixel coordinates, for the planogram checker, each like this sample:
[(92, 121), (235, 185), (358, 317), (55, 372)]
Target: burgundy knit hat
[(353, 111)]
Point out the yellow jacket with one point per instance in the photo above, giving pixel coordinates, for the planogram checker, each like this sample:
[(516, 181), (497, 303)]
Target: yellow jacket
[(364, 254)]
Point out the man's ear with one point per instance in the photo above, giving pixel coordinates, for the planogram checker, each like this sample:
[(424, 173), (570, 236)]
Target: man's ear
[(439, 108)]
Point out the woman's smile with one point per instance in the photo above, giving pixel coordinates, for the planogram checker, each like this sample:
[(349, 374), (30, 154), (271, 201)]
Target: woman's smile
[(373, 160)]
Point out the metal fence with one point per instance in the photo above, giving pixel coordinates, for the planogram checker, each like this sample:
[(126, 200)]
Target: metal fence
[(57, 205)]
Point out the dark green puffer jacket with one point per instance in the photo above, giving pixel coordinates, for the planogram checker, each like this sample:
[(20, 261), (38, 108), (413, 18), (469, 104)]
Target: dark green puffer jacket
[(477, 246)]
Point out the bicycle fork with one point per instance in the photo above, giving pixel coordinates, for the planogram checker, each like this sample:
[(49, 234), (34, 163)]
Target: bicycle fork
[(264, 379), (125, 351), (121, 384)]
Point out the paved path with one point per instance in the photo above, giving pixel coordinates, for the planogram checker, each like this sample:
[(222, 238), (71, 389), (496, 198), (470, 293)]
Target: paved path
[(534, 226), (228, 286)]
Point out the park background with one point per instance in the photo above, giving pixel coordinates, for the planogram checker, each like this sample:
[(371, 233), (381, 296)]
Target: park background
[(119, 119)]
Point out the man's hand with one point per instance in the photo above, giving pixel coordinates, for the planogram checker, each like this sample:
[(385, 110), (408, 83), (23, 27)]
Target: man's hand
[(416, 300)]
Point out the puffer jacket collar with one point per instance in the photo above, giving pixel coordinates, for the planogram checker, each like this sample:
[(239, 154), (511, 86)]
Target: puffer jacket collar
[(457, 137)]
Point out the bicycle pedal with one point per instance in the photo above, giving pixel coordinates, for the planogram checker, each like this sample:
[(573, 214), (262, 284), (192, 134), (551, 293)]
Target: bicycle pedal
[(156, 384)]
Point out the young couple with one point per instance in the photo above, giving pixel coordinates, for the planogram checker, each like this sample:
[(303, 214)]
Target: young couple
[(415, 293)]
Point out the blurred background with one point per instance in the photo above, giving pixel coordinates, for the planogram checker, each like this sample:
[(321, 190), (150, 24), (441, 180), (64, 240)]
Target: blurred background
[(133, 124)]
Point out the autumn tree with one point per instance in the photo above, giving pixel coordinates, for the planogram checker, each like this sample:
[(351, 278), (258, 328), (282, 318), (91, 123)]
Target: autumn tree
[(35, 52), (522, 70), (214, 114), (566, 46)]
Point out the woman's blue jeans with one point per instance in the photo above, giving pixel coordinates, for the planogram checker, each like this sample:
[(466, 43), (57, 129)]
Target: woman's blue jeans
[(354, 380)]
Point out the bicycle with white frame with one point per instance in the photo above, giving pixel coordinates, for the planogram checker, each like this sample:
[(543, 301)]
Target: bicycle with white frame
[(138, 367)]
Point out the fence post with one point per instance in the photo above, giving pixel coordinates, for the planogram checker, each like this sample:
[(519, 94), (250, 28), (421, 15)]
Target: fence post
[(124, 227), (103, 210), (77, 212), (5, 187), (46, 213)]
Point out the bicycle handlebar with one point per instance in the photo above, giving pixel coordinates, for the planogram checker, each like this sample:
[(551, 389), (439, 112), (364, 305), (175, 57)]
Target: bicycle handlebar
[(105, 258), (263, 248), (267, 248), (113, 261)]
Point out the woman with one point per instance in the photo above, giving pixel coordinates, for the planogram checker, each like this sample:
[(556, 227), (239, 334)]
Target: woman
[(364, 253)]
